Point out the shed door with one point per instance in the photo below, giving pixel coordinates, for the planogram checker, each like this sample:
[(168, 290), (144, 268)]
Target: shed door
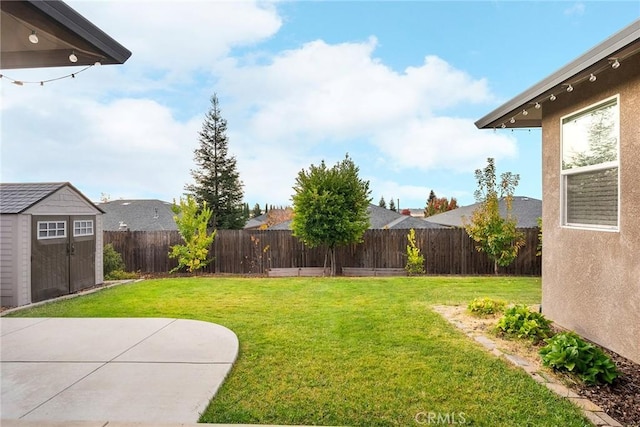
[(63, 255)]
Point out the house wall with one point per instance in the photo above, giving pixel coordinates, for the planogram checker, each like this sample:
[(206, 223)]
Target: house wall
[(591, 279)]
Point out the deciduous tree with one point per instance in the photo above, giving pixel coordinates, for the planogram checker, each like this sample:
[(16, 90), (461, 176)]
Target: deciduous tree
[(330, 206), (192, 221), (436, 205), (498, 237), (217, 181)]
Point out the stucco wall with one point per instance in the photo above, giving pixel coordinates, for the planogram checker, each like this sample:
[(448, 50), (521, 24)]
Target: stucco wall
[(591, 279)]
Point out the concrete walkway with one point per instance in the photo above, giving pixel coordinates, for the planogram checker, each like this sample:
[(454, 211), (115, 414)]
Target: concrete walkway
[(114, 370)]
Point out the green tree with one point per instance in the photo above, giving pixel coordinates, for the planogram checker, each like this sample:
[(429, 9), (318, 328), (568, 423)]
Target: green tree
[(192, 221), (330, 206), (392, 205), (217, 181), (415, 259), (498, 237), (256, 211), (382, 203)]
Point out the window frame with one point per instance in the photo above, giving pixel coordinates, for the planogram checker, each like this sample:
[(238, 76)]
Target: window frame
[(48, 223), (565, 173), (87, 222)]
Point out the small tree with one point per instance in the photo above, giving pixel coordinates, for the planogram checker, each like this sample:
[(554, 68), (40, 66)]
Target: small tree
[(436, 205), (256, 211), (498, 237), (192, 226), (330, 206), (415, 259), (392, 205), (382, 203)]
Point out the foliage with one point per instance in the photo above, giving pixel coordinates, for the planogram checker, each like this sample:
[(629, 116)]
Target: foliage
[(519, 321), (111, 260), (539, 248), (415, 259), (382, 203), (217, 181), (566, 351), (192, 225), (436, 205), (498, 237), (392, 205), (121, 275), (486, 306), (256, 211), (258, 256), (330, 206), (602, 141)]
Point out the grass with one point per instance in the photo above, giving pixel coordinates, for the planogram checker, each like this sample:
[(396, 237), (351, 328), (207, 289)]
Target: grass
[(345, 351)]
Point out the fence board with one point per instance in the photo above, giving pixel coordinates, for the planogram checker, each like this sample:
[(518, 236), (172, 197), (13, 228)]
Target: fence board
[(446, 251)]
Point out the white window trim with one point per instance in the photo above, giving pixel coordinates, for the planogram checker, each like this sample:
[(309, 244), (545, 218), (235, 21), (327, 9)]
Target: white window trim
[(606, 165), (64, 236), (88, 221)]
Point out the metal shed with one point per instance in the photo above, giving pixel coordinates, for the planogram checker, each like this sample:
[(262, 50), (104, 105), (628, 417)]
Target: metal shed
[(50, 242)]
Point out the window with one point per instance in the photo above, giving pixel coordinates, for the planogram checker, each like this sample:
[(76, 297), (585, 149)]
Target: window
[(590, 163), (52, 229), (83, 228)]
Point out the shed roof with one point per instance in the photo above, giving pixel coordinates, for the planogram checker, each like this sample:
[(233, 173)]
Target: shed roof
[(16, 198), (599, 59), (60, 30)]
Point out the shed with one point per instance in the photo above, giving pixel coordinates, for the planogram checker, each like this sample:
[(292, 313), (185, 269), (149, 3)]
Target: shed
[(50, 242)]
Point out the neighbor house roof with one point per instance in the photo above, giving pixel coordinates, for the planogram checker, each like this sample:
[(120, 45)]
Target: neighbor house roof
[(599, 59), (60, 30), (526, 210), (381, 218), (16, 198), (138, 215)]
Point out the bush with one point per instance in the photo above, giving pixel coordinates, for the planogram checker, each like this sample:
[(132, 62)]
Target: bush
[(111, 261), (120, 275), (486, 306), (415, 260), (566, 351), (521, 322)]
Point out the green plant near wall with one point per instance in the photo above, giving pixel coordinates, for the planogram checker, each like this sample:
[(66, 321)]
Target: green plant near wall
[(518, 321), (486, 306), (415, 259), (566, 351)]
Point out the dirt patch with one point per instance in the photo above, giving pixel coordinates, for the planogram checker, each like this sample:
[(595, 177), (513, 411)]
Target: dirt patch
[(620, 400)]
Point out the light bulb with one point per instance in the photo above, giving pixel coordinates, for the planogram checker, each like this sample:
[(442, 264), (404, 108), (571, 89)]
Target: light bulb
[(513, 120), (73, 57), (503, 126), (525, 112), (592, 78), (615, 64), (552, 97), (569, 88), (97, 63), (33, 37), (537, 106)]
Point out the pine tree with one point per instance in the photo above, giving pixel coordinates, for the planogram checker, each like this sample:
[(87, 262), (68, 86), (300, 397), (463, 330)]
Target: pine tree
[(257, 211), (217, 181), (392, 205), (382, 203)]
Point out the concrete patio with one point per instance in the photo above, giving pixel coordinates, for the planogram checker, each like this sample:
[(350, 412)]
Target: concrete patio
[(115, 370)]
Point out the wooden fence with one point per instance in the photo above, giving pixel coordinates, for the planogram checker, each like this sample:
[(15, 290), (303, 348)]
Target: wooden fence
[(446, 251)]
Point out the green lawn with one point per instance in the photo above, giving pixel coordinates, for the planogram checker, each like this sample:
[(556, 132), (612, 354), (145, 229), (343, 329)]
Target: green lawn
[(346, 351)]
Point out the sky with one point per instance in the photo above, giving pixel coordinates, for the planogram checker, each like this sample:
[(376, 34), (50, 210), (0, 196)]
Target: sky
[(395, 85)]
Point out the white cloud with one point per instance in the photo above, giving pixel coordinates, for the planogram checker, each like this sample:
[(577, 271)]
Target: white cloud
[(577, 8)]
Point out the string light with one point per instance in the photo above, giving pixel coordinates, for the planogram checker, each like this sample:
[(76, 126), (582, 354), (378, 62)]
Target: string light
[(537, 106), (73, 57), (525, 112), (569, 88), (552, 97), (33, 37), (513, 120), (615, 64), (42, 82), (592, 78)]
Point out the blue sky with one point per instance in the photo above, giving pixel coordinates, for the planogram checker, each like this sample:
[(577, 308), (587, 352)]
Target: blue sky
[(397, 85)]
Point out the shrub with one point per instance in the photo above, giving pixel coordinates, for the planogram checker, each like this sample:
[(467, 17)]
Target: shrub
[(566, 351), (521, 322), (486, 306), (111, 260), (415, 260), (121, 275)]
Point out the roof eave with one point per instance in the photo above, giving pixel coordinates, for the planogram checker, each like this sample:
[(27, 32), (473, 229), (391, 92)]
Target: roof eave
[(594, 59)]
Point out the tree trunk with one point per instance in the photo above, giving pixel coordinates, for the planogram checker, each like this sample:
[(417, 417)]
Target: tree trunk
[(495, 267), (333, 262)]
